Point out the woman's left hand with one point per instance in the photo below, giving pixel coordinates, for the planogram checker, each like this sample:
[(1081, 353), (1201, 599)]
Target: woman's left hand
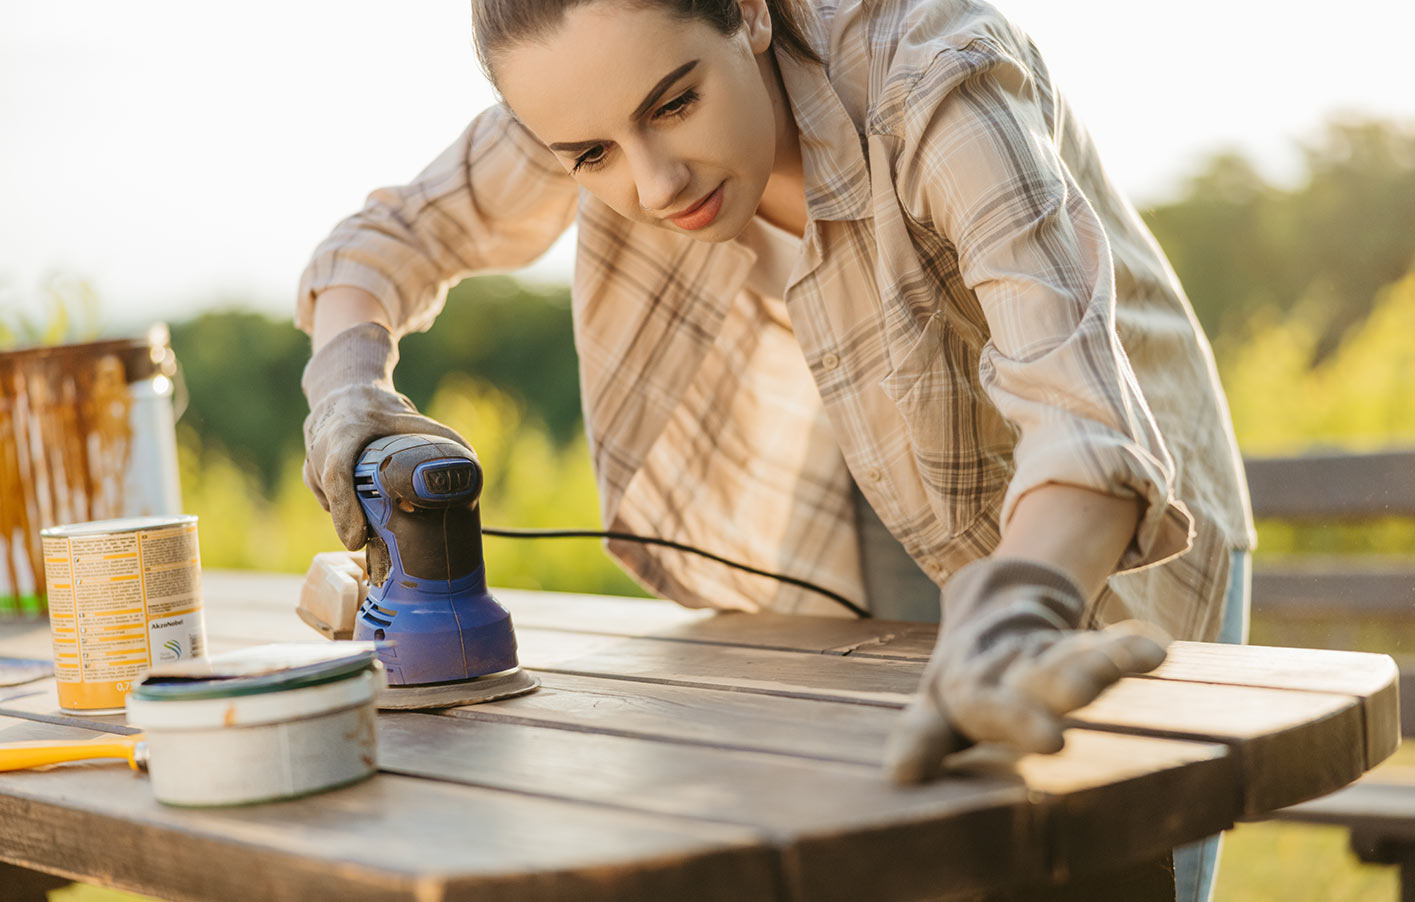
[(1009, 663)]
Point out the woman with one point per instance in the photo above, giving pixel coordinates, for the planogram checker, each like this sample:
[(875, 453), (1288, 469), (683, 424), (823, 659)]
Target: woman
[(853, 301)]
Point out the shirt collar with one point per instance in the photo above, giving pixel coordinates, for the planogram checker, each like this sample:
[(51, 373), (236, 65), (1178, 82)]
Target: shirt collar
[(832, 151)]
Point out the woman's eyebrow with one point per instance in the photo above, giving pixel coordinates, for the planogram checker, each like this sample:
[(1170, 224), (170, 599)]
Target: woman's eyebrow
[(658, 91), (663, 85)]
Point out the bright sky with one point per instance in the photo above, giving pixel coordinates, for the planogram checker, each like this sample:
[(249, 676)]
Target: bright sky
[(189, 155)]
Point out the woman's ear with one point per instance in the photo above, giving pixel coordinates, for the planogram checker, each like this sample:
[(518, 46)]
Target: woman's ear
[(756, 20)]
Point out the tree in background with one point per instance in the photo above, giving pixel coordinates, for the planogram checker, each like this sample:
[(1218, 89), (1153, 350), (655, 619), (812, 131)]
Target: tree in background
[(242, 369), (1240, 244)]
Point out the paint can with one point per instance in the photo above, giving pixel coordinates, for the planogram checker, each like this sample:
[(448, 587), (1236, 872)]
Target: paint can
[(87, 432), (264, 723), (124, 595)]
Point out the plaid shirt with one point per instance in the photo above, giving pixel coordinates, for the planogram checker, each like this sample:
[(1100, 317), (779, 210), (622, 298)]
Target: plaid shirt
[(975, 311)]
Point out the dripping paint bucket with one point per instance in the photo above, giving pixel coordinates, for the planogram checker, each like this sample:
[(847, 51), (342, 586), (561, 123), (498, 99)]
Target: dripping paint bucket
[(87, 432)]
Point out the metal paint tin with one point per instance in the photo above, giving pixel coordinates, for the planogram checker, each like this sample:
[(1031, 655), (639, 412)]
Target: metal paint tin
[(86, 433), (260, 724), (124, 595)]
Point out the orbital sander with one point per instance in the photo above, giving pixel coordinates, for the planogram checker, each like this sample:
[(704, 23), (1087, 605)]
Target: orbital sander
[(442, 637)]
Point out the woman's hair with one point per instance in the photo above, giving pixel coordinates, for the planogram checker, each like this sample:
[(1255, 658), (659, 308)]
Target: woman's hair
[(497, 24)]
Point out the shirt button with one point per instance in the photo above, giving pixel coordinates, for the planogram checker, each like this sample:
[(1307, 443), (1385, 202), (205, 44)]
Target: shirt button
[(873, 474), (830, 361)]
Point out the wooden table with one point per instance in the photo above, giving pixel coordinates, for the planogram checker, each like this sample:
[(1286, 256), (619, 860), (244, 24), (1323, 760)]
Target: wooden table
[(677, 754)]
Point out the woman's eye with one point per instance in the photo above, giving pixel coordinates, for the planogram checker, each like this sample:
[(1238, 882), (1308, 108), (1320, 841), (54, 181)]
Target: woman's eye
[(589, 160), (677, 106)]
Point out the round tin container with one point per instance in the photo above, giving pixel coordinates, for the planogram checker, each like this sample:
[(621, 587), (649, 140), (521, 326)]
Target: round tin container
[(261, 724), (124, 595), (89, 434)]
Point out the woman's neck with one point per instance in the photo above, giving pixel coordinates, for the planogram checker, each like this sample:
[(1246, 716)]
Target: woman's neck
[(783, 202), (783, 205)]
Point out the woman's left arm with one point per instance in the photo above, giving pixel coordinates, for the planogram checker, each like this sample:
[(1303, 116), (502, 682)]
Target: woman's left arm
[(1092, 490), (1081, 532), (1011, 660)]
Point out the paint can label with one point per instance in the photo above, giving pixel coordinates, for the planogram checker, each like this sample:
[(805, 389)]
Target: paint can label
[(123, 595)]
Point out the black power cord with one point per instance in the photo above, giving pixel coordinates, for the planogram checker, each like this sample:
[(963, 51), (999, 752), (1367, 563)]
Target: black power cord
[(677, 546)]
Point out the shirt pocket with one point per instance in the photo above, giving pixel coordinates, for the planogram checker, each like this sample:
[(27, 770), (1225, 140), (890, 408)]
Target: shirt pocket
[(961, 445)]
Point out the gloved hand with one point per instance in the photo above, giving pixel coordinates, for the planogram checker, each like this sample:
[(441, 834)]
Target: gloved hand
[(349, 385), (1009, 663)]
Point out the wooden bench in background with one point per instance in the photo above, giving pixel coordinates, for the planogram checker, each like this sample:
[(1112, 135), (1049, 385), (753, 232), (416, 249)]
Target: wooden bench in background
[(1379, 809)]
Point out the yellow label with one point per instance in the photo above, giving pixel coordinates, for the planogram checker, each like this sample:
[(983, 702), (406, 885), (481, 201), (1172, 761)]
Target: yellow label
[(118, 603)]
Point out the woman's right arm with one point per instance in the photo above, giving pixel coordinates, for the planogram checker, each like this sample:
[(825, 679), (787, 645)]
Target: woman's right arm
[(340, 306), (496, 199)]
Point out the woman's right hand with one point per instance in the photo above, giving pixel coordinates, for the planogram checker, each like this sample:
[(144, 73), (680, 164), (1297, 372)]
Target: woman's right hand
[(349, 385)]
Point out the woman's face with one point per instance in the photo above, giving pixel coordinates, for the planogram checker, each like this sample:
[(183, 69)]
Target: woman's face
[(666, 120)]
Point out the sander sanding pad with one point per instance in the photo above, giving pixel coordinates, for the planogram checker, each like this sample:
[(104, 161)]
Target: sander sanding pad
[(489, 688)]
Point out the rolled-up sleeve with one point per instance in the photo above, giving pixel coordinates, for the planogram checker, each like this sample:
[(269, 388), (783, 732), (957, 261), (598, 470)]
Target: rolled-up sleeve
[(979, 164), (494, 200)]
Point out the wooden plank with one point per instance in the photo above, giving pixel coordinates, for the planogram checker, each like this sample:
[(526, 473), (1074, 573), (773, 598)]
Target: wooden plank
[(40, 702), (251, 589), (843, 678), (25, 885), (1262, 726), (570, 764), (785, 632), (1407, 696), (391, 838), (810, 728), (859, 678), (1086, 826), (869, 680), (842, 841), (25, 639), (1342, 587), (254, 605), (1079, 797), (1332, 486), (1289, 745), (1371, 678), (816, 812)]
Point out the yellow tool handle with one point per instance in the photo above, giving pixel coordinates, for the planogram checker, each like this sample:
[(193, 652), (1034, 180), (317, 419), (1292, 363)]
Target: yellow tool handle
[(20, 755)]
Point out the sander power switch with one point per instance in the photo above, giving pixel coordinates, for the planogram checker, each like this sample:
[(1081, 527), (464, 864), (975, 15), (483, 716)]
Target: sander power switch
[(447, 481)]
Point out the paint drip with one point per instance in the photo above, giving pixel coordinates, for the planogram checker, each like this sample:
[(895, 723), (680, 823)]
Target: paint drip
[(86, 433)]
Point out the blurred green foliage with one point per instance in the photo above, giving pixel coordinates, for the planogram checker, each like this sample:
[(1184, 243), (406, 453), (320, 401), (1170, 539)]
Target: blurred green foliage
[(1241, 245), (242, 369)]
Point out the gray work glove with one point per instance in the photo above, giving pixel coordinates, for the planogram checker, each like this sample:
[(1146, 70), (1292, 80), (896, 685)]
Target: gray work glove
[(349, 385), (1008, 664)]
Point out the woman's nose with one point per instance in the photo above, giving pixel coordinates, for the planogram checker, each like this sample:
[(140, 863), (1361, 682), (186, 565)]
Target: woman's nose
[(660, 179)]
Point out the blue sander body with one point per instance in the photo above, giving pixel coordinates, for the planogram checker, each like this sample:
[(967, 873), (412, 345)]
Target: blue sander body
[(440, 634)]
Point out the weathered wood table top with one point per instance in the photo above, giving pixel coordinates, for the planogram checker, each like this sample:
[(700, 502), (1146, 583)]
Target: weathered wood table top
[(678, 754)]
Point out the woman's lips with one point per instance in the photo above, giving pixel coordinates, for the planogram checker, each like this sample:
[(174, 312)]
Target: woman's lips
[(702, 213)]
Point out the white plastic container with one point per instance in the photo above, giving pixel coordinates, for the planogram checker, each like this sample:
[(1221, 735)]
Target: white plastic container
[(266, 723)]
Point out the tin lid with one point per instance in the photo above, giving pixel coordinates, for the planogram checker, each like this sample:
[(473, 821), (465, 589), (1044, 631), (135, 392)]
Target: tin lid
[(142, 358), (255, 671), (121, 524)]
